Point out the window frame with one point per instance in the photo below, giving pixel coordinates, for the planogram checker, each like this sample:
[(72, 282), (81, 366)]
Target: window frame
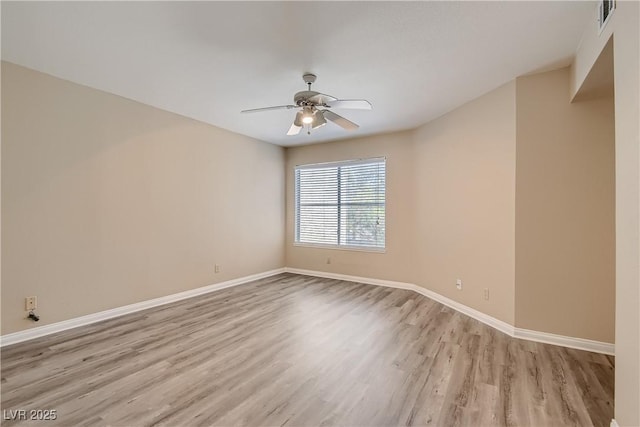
[(338, 246)]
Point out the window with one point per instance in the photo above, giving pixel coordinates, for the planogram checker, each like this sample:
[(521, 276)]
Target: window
[(341, 204)]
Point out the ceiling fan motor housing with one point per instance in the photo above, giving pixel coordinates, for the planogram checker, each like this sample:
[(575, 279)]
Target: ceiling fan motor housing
[(302, 98)]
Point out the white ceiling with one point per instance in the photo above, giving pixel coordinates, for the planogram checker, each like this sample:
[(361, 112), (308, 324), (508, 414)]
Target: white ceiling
[(413, 61)]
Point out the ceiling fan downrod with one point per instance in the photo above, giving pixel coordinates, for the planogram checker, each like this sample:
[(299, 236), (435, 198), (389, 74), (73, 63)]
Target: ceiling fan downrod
[(309, 78)]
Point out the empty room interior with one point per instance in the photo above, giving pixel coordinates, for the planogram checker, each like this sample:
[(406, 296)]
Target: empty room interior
[(320, 213)]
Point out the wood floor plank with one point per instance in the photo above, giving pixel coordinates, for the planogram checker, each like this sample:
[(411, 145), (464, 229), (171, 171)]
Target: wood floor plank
[(294, 350)]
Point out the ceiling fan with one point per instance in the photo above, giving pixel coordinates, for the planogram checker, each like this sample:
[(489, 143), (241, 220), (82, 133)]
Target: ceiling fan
[(315, 109)]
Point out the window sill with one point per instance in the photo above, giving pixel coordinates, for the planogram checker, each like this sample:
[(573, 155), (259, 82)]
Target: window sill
[(341, 247)]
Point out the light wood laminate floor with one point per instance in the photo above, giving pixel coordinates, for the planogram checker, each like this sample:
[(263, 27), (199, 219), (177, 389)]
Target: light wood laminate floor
[(295, 350)]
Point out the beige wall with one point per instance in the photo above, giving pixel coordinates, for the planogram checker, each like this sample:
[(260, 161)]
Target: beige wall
[(627, 106), (465, 199), (623, 26), (396, 263), (107, 202), (565, 240)]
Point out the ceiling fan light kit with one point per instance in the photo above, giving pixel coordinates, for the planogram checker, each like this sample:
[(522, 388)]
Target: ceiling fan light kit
[(307, 116), (315, 108), (318, 120)]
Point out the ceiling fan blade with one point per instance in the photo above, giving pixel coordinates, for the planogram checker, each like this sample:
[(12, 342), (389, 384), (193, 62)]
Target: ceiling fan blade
[(297, 125), (278, 107), (340, 121), (355, 104), (294, 130), (322, 99)]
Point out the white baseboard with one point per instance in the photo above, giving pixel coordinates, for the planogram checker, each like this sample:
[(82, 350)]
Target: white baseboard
[(564, 341), (543, 337), (41, 331), (571, 342)]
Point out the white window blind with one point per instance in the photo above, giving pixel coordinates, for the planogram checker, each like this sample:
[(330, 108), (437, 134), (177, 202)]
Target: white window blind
[(341, 204)]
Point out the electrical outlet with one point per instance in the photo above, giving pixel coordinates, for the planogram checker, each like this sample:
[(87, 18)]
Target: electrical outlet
[(216, 268), (30, 303), (459, 284), (486, 293)]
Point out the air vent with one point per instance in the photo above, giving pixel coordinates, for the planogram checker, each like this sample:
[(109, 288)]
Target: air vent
[(605, 9)]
